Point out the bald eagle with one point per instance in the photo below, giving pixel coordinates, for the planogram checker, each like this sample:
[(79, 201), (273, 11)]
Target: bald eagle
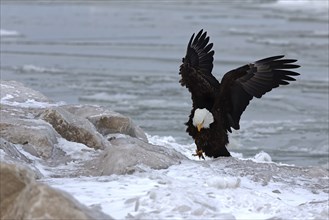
[(218, 106)]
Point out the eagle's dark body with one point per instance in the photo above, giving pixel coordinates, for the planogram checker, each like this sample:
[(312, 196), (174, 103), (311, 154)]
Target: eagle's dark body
[(226, 100)]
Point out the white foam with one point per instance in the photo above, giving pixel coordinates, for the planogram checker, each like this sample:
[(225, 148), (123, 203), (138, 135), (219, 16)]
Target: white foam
[(38, 69), (29, 103), (305, 3), (105, 97), (8, 33), (317, 8), (263, 157)]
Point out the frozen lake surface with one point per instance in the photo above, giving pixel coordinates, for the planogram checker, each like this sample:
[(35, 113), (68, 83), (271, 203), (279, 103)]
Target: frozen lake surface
[(126, 55)]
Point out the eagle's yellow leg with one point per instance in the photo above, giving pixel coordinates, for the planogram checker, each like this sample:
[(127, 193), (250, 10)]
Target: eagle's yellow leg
[(199, 153)]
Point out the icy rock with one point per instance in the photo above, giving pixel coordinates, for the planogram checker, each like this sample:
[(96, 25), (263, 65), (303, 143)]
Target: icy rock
[(13, 93), (18, 123), (23, 198), (127, 155), (107, 121), (11, 151), (11, 155), (37, 137), (56, 135), (74, 128)]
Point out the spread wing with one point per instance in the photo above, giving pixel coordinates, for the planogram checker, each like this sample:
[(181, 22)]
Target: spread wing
[(196, 70), (240, 85)]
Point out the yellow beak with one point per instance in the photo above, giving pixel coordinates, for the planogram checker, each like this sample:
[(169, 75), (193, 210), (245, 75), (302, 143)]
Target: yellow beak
[(199, 127)]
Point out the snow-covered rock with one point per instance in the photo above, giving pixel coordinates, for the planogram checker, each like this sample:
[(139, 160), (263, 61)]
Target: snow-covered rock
[(74, 128), (36, 136), (106, 121), (43, 134), (14, 93), (105, 161), (11, 152), (128, 155)]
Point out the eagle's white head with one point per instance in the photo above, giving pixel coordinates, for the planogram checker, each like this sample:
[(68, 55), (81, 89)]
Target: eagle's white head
[(202, 118)]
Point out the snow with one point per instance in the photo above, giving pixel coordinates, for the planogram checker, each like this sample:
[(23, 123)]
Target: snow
[(194, 189), (222, 188), (75, 150)]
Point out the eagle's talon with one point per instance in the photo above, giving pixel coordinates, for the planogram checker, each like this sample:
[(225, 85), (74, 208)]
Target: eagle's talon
[(199, 153)]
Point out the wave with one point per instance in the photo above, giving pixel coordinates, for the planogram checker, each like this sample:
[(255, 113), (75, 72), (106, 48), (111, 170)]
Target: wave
[(303, 10), (106, 97), (37, 69), (29, 103), (304, 3), (293, 4), (8, 33)]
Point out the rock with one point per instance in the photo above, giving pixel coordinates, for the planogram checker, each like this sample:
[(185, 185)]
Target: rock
[(12, 155), (107, 121), (74, 128), (37, 137), (13, 93), (127, 155), (11, 151), (58, 134), (18, 123), (23, 198)]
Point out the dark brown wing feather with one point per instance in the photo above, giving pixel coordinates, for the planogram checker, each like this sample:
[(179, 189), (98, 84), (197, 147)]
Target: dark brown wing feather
[(196, 70), (240, 85)]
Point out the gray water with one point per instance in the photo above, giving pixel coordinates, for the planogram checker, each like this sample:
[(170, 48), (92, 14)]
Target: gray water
[(126, 55)]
